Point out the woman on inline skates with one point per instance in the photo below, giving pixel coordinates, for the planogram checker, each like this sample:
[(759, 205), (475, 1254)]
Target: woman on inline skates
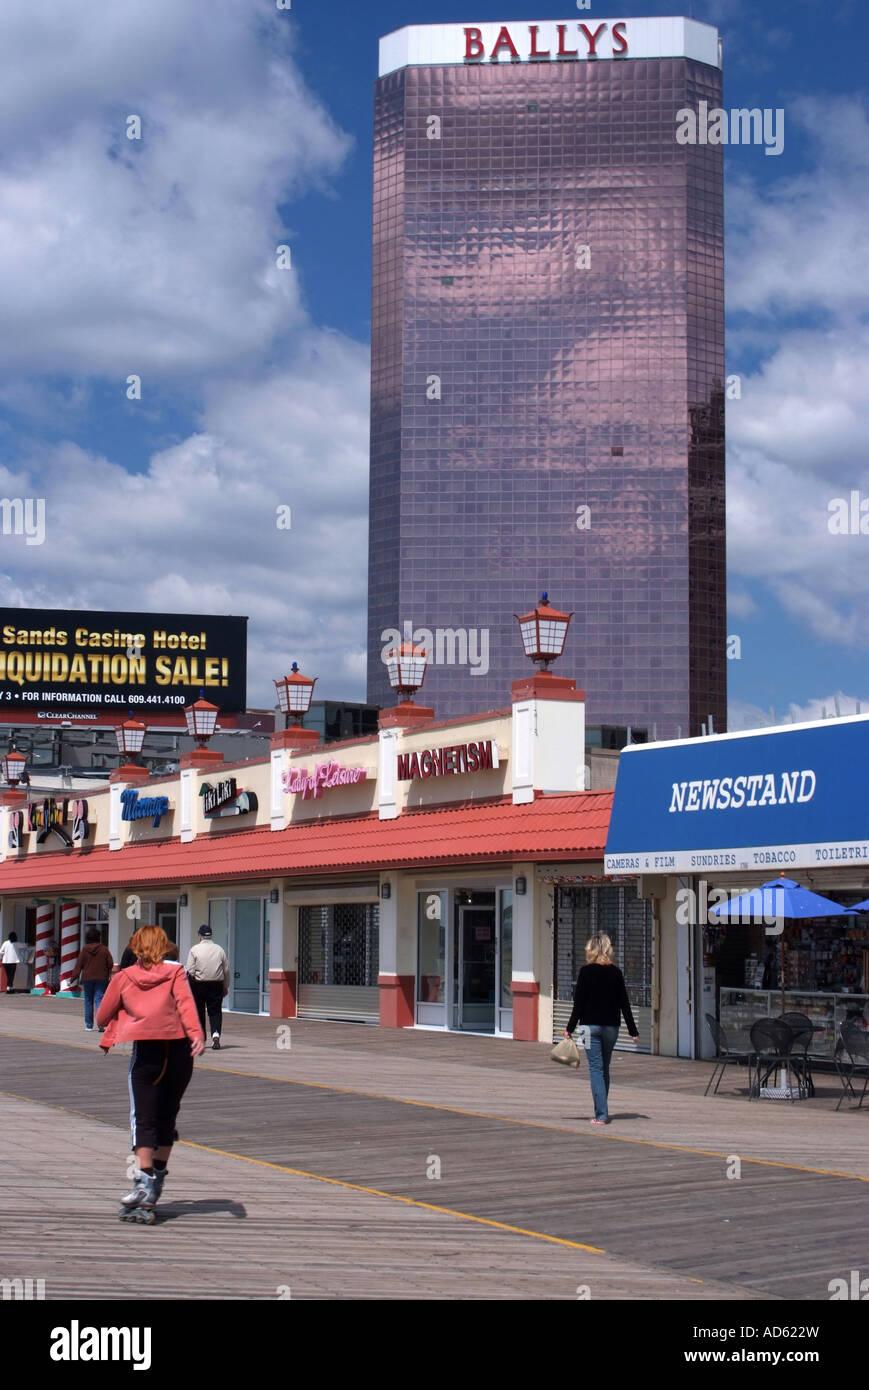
[(150, 1005)]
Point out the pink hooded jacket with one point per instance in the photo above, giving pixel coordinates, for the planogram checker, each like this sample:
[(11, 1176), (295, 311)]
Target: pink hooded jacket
[(153, 1004)]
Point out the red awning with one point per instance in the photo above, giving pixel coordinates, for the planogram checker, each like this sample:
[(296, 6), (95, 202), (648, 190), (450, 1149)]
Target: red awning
[(550, 828)]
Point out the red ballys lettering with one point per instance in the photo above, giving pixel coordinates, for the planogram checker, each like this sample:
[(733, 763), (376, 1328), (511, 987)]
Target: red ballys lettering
[(504, 41), (562, 51), (622, 38), (592, 37), (535, 51), (474, 38)]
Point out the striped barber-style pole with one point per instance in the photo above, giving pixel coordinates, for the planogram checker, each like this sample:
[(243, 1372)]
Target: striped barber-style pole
[(44, 936), (70, 935)]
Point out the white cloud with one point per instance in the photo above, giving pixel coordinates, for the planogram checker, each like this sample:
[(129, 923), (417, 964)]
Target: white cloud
[(154, 256), (797, 437), (197, 532), (740, 604), (800, 244), (744, 715)]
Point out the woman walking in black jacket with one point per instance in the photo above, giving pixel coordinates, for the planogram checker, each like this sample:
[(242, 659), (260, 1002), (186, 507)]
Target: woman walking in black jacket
[(598, 1000)]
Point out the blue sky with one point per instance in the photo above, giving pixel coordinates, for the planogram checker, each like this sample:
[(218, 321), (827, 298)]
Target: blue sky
[(156, 257)]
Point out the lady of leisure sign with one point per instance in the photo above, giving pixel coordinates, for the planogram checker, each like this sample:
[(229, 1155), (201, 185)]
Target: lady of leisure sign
[(297, 781)]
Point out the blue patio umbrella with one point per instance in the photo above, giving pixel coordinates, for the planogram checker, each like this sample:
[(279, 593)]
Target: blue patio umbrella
[(780, 898), (860, 907)]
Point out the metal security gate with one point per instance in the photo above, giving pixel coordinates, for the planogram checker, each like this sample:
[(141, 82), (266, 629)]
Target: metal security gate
[(339, 962), (627, 921)]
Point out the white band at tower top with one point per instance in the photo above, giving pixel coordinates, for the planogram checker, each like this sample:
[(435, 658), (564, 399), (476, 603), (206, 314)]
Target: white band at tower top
[(584, 39)]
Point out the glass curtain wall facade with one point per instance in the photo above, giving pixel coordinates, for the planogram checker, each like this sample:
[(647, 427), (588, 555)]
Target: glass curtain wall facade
[(548, 336)]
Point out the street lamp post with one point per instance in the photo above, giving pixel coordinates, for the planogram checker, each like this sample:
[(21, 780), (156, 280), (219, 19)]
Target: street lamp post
[(13, 770), (201, 719), (405, 666), (130, 736), (295, 693), (544, 632)]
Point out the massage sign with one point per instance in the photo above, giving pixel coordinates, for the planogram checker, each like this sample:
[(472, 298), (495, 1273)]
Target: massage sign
[(225, 799), (50, 817), (444, 762), (297, 781), (136, 807)]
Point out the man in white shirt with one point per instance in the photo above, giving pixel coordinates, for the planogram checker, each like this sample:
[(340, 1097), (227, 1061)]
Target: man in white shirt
[(208, 974)]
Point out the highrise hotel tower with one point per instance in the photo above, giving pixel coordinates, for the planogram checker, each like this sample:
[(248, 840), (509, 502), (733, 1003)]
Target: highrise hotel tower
[(548, 362)]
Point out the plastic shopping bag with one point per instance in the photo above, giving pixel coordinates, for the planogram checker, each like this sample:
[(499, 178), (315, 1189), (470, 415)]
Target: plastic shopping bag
[(567, 1053)]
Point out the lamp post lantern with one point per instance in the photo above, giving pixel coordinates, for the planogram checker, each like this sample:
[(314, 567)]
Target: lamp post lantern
[(295, 693), (201, 720), (13, 770), (131, 737), (405, 666), (543, 631)]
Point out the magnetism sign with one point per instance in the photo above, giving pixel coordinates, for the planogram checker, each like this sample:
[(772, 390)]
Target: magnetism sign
[(70, 661)]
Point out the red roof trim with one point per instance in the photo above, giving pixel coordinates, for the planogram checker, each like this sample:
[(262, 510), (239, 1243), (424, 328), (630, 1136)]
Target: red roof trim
[(551, 829)]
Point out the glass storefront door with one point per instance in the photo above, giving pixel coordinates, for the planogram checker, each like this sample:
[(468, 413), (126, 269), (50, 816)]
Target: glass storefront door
[(477, 963), (167, 918), (246, 955), (464, 962), (241, 927)]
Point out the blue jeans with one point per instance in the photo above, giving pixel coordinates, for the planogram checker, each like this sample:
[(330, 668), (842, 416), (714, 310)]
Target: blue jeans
[(93, 997), (601, 1041)]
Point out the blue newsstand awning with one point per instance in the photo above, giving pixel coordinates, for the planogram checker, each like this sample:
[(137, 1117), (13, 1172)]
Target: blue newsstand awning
[(794, 797)]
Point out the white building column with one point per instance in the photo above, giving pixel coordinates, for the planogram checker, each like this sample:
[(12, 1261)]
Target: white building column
[(526, 975), (117, 938), (283, 953), (185, 921), (396, 978)]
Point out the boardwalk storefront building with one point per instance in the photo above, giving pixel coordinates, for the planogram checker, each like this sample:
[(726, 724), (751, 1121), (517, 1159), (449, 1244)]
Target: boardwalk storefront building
[(437, 874)]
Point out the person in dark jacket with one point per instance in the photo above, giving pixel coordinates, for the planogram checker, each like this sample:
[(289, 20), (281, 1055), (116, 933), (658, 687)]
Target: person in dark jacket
[(93, 968), (128, 956), (599, 999)]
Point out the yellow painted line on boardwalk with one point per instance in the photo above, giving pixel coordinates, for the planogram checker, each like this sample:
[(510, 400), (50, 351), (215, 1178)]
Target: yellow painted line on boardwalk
[(535, 1124), (485, 1115), (338, 1182), (396, 1197)]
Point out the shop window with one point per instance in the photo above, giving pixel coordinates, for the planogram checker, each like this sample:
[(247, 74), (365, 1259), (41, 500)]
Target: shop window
[(506, 946), (96, 915), (218, 920), (432, 948)]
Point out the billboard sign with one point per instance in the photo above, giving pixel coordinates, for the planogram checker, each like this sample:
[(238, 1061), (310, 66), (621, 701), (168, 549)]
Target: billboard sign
[(71, 661)]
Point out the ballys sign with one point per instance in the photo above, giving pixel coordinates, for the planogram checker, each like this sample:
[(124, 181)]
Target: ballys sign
[(571, 40), (296, 780)]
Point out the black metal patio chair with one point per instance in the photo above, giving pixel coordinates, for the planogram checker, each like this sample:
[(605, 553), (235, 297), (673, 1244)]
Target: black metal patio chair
[(803, 1030), (725, 1055), (853, 1059), (772, 1041)]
